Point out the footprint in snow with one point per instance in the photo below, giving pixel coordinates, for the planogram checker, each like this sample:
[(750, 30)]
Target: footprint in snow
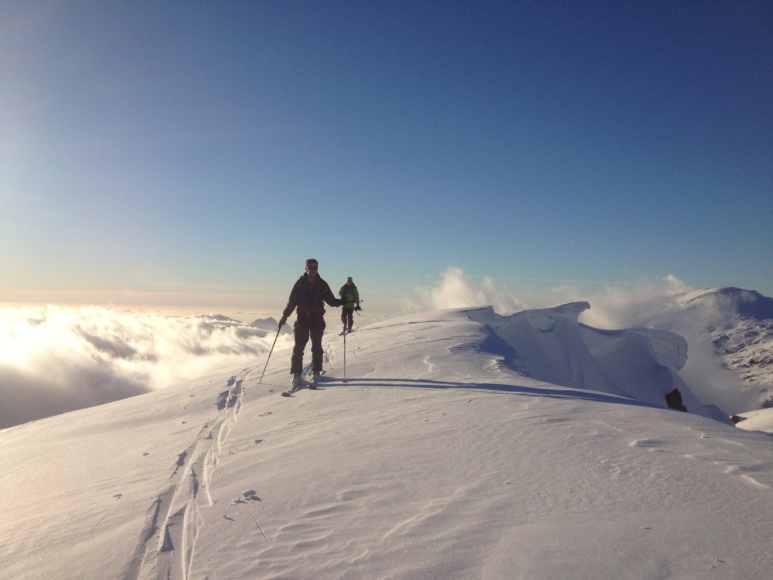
[(249, 495)]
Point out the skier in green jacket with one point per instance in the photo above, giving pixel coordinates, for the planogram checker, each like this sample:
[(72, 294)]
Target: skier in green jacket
[(350, 299)]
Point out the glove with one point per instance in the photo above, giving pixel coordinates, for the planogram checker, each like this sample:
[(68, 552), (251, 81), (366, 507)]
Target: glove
[(282, 321), (357, 307)]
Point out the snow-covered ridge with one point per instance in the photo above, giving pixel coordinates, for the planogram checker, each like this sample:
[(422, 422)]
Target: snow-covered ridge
[(57, 359), (438, 459)]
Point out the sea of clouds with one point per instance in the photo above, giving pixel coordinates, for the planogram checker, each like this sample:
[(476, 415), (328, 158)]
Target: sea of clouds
[(55, 359)]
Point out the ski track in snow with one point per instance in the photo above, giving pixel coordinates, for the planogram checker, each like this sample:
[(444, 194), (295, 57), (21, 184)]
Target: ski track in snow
[(168, 539)]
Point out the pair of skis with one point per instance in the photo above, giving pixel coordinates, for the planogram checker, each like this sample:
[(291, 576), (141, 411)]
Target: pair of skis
[(312, 384)]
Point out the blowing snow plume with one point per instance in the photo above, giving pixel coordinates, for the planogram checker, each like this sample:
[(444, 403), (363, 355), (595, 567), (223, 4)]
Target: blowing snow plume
[(729, 332), (456, 290), (56, 359)]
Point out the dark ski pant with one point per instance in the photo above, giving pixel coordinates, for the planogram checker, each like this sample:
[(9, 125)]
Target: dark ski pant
[(312, 328), (347, 317)]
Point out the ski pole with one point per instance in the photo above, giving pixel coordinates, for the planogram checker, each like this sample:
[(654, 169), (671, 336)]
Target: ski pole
[(344, 357), (269, 354)]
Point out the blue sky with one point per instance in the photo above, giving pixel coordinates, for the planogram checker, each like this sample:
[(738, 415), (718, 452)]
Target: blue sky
[(193, 154)]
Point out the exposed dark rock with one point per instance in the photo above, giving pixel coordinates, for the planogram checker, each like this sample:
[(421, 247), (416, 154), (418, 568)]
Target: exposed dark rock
[(674, 401)]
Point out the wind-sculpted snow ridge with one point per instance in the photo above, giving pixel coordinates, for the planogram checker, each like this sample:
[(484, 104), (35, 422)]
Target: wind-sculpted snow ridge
[(549, 344)]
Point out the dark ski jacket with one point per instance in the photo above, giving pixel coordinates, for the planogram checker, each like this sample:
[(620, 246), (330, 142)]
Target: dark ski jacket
[(349, 295), (309, 298)]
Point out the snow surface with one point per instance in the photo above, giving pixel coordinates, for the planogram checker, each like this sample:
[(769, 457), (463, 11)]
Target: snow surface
[(438, 458), (761, 420)]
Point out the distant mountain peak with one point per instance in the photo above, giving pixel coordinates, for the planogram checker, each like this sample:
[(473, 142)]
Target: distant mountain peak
[(731, 300)]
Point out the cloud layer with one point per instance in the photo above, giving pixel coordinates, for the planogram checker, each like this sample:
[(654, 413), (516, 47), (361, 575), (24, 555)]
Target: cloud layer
[(56, 359)]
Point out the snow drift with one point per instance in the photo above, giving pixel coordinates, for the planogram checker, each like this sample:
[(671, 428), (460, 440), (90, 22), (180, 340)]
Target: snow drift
[(550, 345)]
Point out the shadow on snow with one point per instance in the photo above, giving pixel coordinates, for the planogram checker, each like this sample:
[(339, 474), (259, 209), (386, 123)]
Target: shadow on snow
[(566, 393)]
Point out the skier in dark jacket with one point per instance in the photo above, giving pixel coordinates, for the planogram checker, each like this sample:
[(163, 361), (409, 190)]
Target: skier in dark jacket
[(308, 295)]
